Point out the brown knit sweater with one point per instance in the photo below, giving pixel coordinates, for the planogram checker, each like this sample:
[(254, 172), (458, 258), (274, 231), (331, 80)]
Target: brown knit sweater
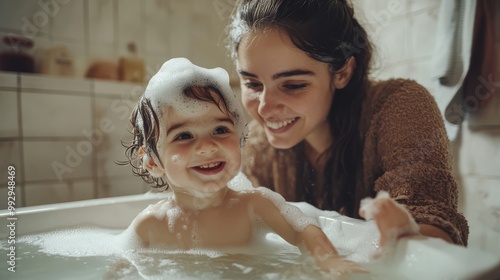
[(405, 152)]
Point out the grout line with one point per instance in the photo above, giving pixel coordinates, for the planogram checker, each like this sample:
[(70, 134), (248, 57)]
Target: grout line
[(86, 29), (43, 138), (21, 140), (116, 26), (56, 92), (93, 121)]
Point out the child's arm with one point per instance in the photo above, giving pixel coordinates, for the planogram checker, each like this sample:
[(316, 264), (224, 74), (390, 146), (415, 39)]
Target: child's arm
[(310, 239)]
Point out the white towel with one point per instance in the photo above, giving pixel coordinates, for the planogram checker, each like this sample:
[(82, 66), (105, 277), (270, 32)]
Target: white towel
[(451, 59)]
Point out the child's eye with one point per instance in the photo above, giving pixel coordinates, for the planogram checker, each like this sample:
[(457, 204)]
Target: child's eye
[(183, 136), (221, 130)]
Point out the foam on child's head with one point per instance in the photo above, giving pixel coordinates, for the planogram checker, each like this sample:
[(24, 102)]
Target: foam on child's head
[(166, 88)]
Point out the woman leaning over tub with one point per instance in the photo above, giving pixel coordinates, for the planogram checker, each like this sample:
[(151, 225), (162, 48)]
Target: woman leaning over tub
[(326, 134)]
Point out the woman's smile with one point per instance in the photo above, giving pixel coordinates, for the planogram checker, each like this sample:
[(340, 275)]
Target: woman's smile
[(280, 126)]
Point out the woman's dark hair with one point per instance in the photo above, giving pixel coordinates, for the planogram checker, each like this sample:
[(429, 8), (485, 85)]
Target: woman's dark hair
[(146, 130), (327, 31)]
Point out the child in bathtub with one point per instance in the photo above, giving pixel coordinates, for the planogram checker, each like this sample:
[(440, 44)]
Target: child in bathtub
[(188, 130)]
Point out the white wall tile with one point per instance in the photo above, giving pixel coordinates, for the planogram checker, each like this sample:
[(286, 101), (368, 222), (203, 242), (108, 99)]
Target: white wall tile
[(208, 31), (382, 12), (153, 63), (157, 27), (422, 4), (385, 71), (101, 22), (419, 70), (180, 36), (8, 113), (49, 83), (46, 193), (68, 21), (115, 128), (49, 115), (391, 41), (117, 88), (8, 80), (482, 210), (423, 35), (25, 17), (122, 185), (480, 152), (102, 51), (57, 160), (130, 26)]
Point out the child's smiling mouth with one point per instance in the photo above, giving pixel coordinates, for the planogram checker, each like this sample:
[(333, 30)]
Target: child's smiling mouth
[(210, 168)]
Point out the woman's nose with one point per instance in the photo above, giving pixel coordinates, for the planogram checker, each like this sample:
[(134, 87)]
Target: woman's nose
[(268, 103), (206, 146)]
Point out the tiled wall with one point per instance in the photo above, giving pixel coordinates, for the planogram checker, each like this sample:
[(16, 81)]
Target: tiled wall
[(73, 126), (403, 32), (63, 136)]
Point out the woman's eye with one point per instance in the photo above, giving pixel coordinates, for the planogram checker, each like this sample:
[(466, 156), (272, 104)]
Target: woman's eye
[(221, 130), (295, 86), (254, 86), (183, 136)]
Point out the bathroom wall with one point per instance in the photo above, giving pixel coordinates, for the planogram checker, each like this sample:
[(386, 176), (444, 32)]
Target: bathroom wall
[(402, 31), (73, 126), (63, 134)]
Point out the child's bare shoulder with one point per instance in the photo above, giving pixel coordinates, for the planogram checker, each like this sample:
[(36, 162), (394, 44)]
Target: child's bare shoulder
[(157, 211), (154, 216)]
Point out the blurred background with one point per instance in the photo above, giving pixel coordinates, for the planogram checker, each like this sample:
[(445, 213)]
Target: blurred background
[(71, 71)]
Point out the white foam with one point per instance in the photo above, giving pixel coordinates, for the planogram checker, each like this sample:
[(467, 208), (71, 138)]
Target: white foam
[(82, 242), (292, 214), (167, 86), (371, 208), (240, 182)]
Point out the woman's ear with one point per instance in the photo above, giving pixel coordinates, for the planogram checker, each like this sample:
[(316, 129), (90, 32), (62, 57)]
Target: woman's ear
[(342, 77), (150, 165)]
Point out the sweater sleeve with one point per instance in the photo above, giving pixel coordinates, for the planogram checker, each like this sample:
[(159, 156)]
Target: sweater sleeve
[(413, 150)]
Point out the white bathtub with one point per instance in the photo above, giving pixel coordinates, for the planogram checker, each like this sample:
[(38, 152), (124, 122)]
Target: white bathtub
[(414, 258)]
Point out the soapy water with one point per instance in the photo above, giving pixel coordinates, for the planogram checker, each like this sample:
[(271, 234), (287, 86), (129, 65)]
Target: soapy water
[(98, 253)]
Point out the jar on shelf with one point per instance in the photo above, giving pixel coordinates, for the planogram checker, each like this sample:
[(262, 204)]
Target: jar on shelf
[(17, 58)]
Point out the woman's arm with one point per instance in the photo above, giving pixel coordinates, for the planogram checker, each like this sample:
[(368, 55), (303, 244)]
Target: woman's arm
[(415, 161), (432, 231)]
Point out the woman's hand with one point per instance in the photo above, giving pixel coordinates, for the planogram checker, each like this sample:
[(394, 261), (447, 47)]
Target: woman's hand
[(392, 219)]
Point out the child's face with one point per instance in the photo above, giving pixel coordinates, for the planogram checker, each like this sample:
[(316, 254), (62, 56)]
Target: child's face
[(199, 148)]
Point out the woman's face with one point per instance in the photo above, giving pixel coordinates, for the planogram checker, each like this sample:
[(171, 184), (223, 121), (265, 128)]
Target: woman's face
[(285, 90)]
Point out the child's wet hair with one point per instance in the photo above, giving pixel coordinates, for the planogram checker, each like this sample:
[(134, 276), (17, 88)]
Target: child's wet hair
[(146, 130)]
